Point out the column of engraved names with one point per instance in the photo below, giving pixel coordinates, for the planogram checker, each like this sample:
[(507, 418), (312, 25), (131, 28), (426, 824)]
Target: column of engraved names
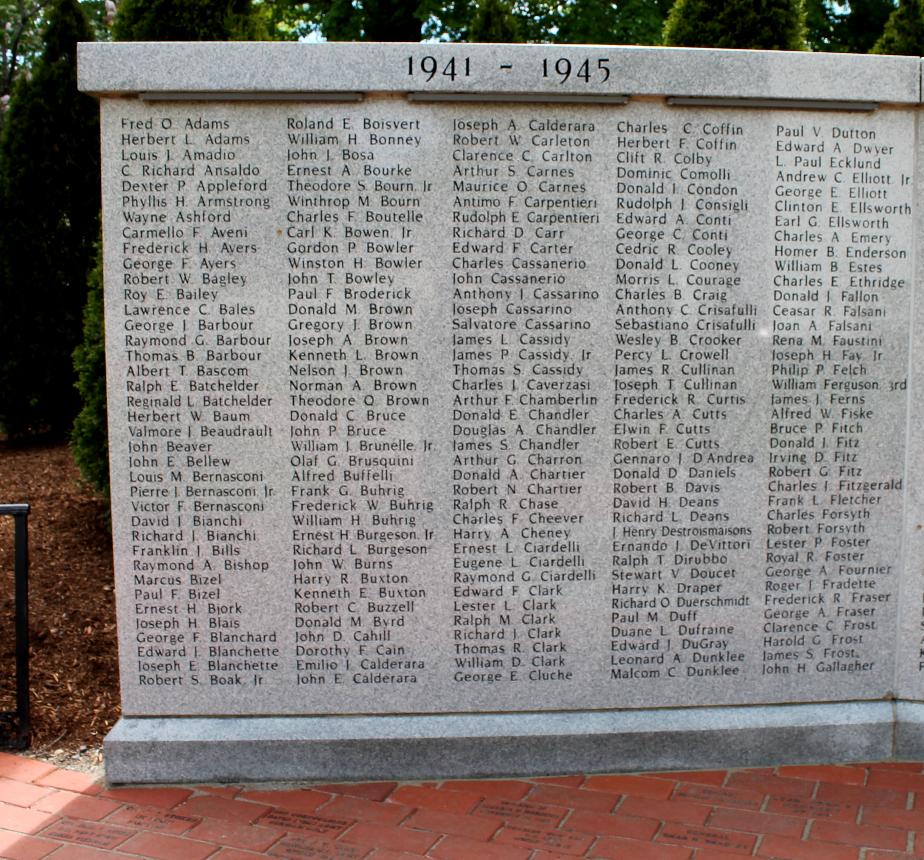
[(523, 401), (229, 412), (644, 458), (838, 291), (709, 537), (793, 604), (185, 165), (557, 304), (154, 331), (377, 533), (484, 582), (319, 196), (391, 451), (865, 380)]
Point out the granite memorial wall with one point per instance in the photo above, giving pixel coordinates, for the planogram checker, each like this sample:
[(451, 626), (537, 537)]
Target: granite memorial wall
[(559, 401)]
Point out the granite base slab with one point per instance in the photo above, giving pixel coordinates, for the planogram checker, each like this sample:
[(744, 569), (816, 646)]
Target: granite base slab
[(909, 730), (264, 749)]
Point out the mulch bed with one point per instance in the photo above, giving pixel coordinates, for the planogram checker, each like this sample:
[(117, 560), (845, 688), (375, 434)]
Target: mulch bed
[(74, 662)]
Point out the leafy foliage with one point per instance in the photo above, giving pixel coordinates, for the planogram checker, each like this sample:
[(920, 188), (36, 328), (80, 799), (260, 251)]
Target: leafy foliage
[(89, 438), (904, 31), (49, 215), (604, 22), (589, 22), (446, 22), (763, 24), (493, 22), (856, 30), (820, 21), (363, 20), (189, 21), (845, 27), (21, 26), (20, 39), (629, 22), (391, 20)]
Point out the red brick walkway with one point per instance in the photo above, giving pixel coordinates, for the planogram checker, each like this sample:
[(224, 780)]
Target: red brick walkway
[(858, 812)]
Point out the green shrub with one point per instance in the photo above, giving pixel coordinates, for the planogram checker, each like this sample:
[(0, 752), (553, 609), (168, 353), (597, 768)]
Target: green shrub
[(49, 219), (189, 21), (493, 22), (763, 24), (89, 437), (904, 31)]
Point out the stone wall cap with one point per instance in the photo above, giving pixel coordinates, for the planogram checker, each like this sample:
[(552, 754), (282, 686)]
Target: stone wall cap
[(300, 70)]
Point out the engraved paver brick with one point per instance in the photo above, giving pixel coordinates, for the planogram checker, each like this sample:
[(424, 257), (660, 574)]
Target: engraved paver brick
[(615, 848), (897, 779), (226, 791), (601, 823), (574, 798), (866, 836), (235, 854), (459, 848), (165, 798), (909, 766), (784, 848), (91, 833), (299, 847), (564, 842), (366, 810), (572, 781), (322, 825), (739, 798), (84, 852), (522, 811), (388, 854), (767, 783), (667, 810), (884, 816), (369, 835), (874, 854), (432, 798), (160, 846), (472, 826), (825, 773), (858, 794), (303, 800), (803, 808), (210, 806), (707, 837), (508, 789), (757, 822), (636, 786), (252, 837), (152, 818), (703, 777), (368, 790), (715, 854), (542, 854)]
